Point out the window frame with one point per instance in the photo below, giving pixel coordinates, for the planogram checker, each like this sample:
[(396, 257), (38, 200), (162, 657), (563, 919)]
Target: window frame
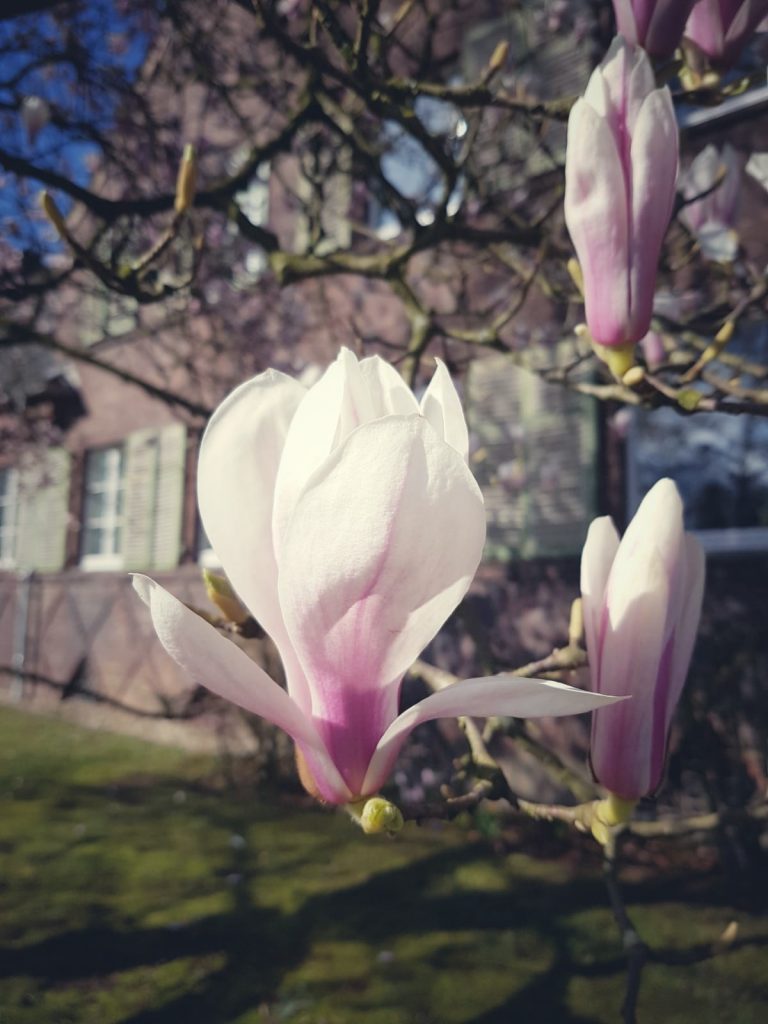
[(9, 499), (727, 540), (114, 559)]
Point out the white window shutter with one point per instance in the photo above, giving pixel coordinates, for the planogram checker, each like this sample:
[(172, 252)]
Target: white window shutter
[(154, 497), (139, 498), (43, 510), (535, 448), (169, 497)]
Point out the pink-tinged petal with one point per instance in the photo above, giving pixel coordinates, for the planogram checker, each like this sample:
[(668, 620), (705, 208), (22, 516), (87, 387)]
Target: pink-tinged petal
[(744, 20), (337, 404), (597, 558), (687, 622), (634, 643), (596, 215), (654, 166), (641, 83), (503, 694), (389, 394), (441, 406), (216, 663), (665, 26), (656, 527), (646, 634), (721, 28), (630, 23), (239, 457), (683, 614), (628, 78), (654, 352), (705, 27), (382, 546)]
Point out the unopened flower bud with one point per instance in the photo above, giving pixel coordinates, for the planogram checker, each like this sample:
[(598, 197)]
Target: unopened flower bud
[(377, 815), (186, 181), (220, 592)]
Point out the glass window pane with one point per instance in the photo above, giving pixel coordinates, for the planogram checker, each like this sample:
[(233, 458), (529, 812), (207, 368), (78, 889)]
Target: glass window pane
[(103, 502), (92, 541), (95, 505), (97, 467)]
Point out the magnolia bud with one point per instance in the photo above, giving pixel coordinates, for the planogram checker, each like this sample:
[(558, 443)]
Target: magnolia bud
[(220, 592)]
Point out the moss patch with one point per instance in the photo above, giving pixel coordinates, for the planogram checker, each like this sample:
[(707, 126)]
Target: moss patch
[(137, 888)]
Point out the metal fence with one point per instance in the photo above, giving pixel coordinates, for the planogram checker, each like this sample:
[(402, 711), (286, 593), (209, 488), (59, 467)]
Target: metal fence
[(86, 638)]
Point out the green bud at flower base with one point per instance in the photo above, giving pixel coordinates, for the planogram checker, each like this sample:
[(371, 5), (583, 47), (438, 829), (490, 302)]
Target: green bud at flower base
[(609, 813), (220, 593), (376, 815)]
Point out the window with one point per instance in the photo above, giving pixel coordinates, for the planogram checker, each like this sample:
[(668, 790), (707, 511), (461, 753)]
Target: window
[(9, 490), (719, 463), (102, 543)]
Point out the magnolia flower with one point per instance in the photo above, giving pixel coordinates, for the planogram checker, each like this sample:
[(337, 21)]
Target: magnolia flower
[(722, 28), (349, 524), (620, 171), (712, 218), (656, 25), (642, 601)]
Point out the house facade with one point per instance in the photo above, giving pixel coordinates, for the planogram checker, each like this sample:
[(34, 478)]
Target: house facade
[(115, 492)]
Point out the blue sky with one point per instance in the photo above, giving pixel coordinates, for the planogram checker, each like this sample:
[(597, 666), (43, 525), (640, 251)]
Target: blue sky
[(114, 44)]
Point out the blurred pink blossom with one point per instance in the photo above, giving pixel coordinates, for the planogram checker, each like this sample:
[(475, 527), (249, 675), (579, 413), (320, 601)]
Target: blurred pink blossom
[(656, 25), (712, 219), (722, 28)]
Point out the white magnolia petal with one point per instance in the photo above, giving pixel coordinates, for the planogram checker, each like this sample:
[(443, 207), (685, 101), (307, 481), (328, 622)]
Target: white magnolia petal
[(217, 664), (239, 457), (628, 78), (596, 93), (641, 84), (389, 394), (596, 560), (330, 410), (212, 661), (623, 738), (638, 626), (382, 546), (502, 694), (687, 620), (626, 21), (597, 217), (656, 529), (441, 406), (654, 157)]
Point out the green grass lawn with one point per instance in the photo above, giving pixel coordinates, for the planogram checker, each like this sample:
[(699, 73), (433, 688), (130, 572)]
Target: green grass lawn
[(135, 887)]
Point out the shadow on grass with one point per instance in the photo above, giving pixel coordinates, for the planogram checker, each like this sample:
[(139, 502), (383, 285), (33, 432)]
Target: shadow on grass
[(259, 945)]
